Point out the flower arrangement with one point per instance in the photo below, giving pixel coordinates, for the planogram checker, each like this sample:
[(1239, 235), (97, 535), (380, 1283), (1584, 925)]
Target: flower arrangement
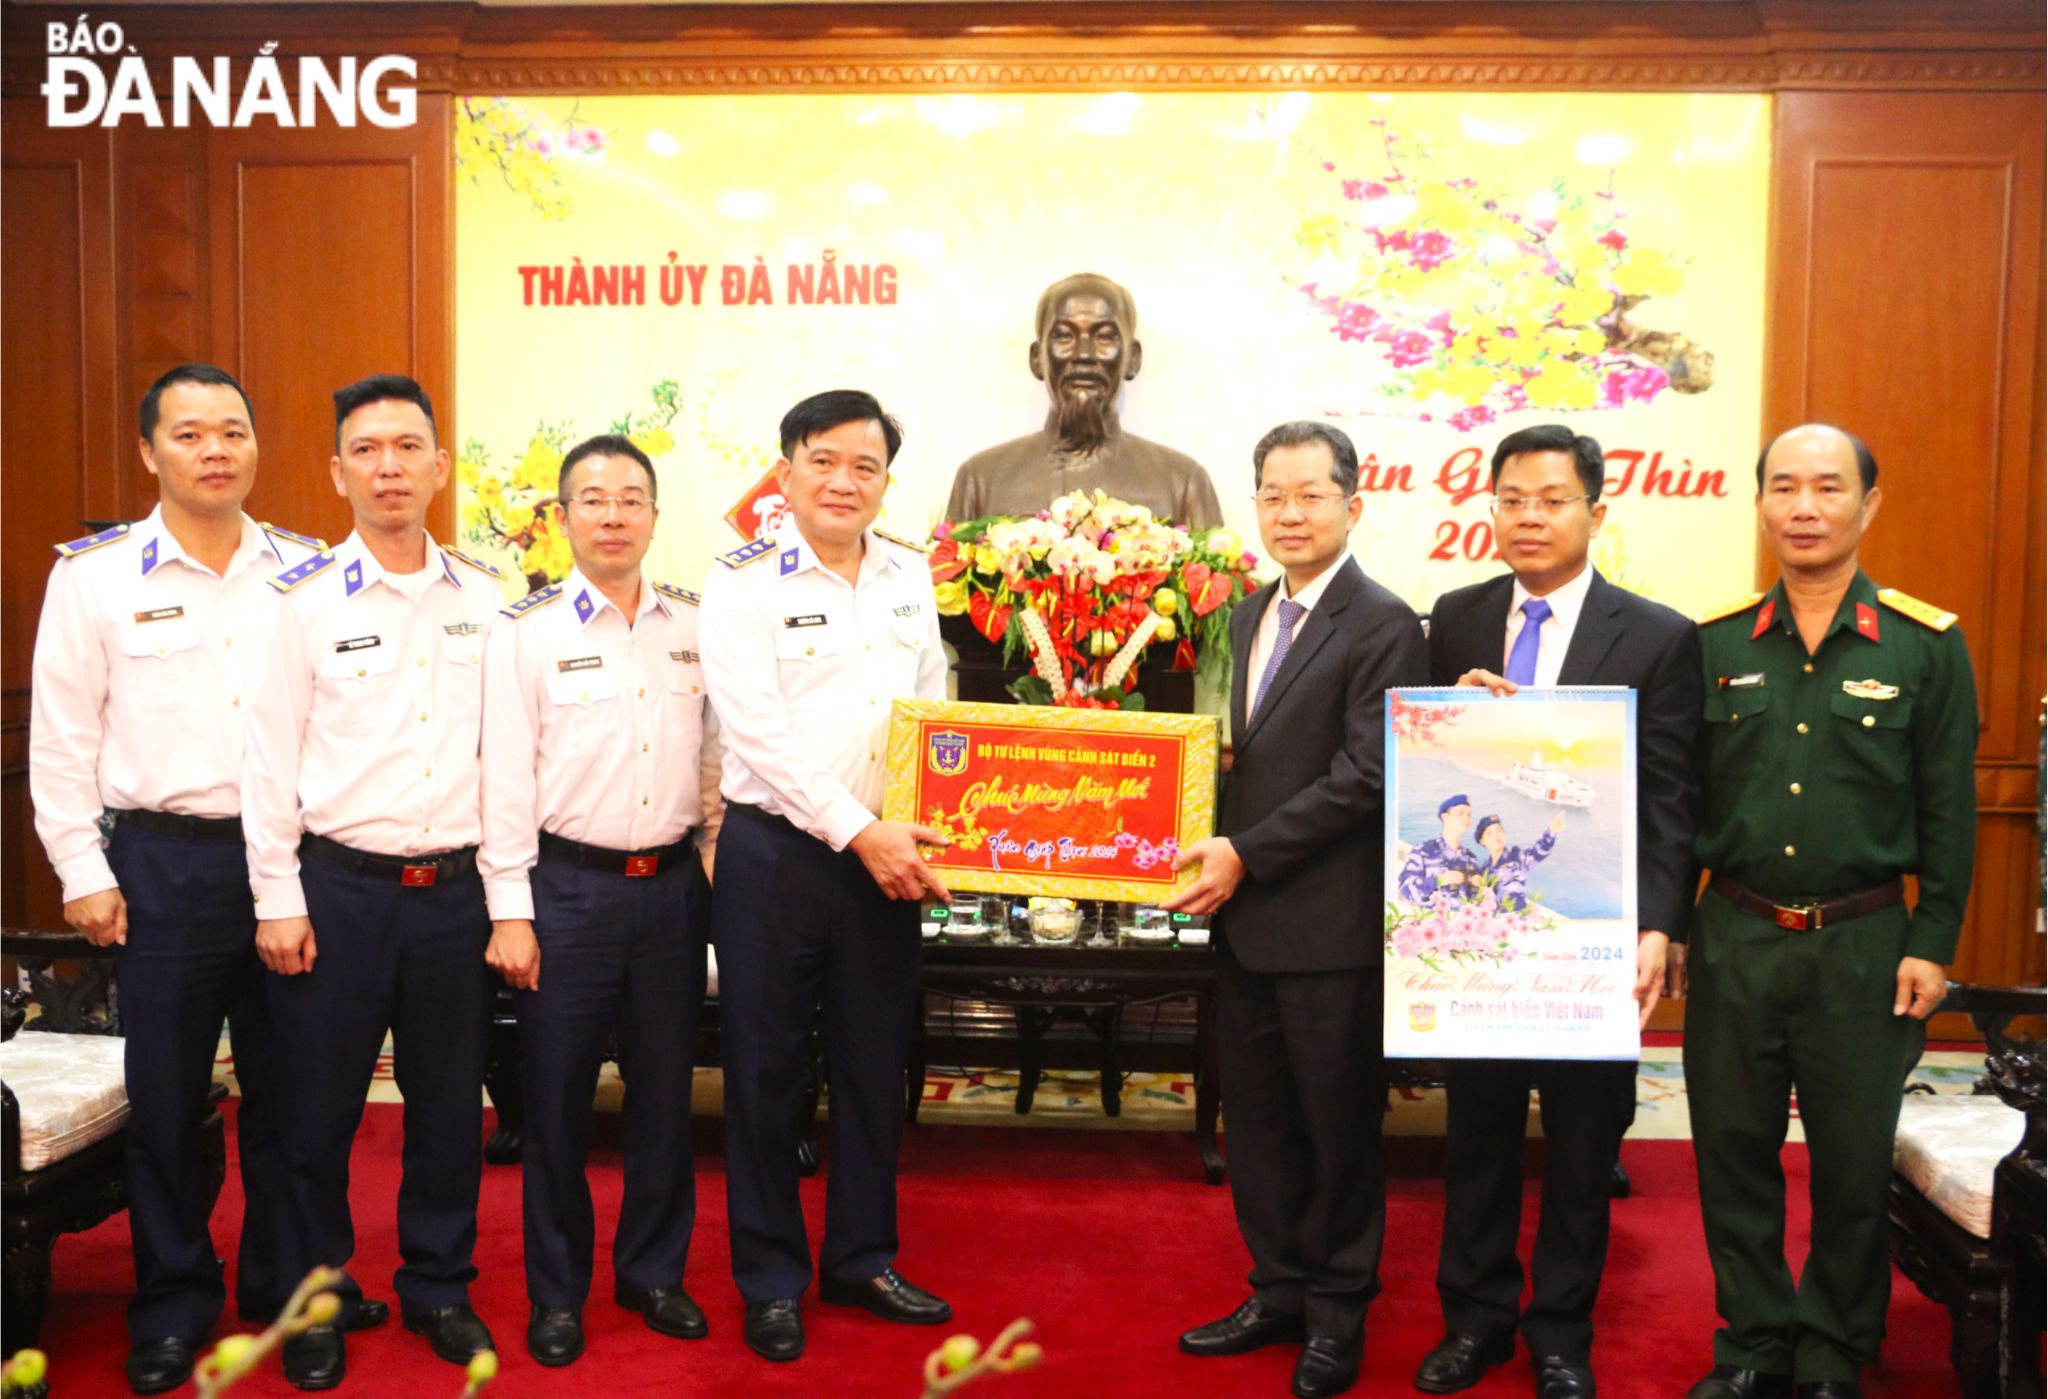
[(1085, 587), (1485, 301), (1448, 927), (507, 510), (523, 148)]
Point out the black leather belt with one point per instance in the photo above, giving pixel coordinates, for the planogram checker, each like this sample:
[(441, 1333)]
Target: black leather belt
[(770, 818), (413, 871), (170, 823), (1813, 915), (633, 864)]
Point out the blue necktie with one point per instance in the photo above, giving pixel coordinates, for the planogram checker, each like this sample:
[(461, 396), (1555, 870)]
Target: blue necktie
[(1522, 659), (1291, 613)]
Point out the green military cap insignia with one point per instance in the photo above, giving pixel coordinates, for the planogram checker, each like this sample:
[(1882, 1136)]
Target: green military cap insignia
[(76, 547), (1925, 613), (679, 594), (534, 600), (292, 577), (748, 552)]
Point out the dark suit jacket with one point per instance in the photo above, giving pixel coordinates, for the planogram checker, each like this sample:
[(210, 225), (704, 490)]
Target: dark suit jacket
[(1621, 639), (1302, 801)]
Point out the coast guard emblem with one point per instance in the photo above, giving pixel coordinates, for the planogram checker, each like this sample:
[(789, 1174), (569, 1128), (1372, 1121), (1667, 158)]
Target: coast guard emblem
[(947, 754), (1422, 1016)]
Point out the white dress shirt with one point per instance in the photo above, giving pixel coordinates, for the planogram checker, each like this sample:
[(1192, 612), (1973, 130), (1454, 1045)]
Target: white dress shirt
[(365, 716), (138, 685), (803, 667), (1566, 602), (595, 729), (1268, 632)]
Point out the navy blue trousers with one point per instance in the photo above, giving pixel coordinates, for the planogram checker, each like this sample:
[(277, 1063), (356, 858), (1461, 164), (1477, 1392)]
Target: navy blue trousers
[(189, 964), (409, 961), (626, 954), (797, 924)]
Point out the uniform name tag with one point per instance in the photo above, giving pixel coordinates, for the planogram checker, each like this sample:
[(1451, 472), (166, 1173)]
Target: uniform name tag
[(462, 628), (1742, 682), (1870, 690), (580, 663), (809, 619), (358, 643), (686, 657), (160, 614)]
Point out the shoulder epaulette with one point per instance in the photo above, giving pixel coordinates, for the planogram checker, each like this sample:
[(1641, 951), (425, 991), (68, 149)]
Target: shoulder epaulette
[(1925, 613), (475, 563), (92, 541), (1715, 614), (748, 552), (899, 539), (292, 577), (294, 536), (538, 598), (679, 594)]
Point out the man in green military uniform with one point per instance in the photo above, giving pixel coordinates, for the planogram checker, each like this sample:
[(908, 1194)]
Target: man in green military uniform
[(1841, 727)]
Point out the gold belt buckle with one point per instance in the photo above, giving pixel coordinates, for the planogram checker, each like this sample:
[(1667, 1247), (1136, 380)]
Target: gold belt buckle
[(419, 876), (1800, 918), (642, 866)]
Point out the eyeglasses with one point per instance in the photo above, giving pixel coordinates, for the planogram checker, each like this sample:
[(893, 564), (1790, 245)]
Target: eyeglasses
[(595, 506), (1541, 504), (1308, 502)]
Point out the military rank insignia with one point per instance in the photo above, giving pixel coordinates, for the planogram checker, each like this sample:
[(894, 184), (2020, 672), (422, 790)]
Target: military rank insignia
[(750, 552), (539, 597), (92, 541), (292, 577)]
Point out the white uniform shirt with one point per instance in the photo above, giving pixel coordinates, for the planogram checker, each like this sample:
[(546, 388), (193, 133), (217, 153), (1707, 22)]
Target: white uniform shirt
[(365, 715), (1269, 627), (802, 669), (137, 692), (595, 730), (1555, 639)]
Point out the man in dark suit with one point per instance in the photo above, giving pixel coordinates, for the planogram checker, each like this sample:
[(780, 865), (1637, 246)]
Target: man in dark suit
[(1555, 621), (1294, 873)]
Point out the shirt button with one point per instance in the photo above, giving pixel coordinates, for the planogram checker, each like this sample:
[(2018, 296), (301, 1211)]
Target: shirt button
[(1870, 721), (228, 641), (1808, 667), (1795, 789), (423, 716), (644, 747), (693, 689), (643, 692), (236, 702), (810, 651), (422, 660), (1802, 728), (1791, 851), (1734, 718), (361, 673), (643, 801)]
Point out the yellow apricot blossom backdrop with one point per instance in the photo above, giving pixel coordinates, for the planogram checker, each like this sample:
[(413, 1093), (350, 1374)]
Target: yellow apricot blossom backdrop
[(1428, 271)]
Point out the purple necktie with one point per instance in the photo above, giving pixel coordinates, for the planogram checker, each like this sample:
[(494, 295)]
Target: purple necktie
[(1522, 659), (1291, 613)]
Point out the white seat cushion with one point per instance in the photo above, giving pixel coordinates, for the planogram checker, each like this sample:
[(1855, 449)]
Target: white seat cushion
[(70, 1088), (1949, 1145)]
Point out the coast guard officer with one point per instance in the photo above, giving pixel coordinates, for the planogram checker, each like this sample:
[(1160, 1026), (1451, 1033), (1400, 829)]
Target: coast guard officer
[(135, 769), (600, 774), (1442, 861), (1841, 726), (360, 802), (808, 636)]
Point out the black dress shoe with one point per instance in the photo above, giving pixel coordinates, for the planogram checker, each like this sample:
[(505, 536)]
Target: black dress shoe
[(456, 1332), (1559, 1378), (1735, 1382), (775, 1330), (1459, 1361), (554, 1335), (1252, 1325), (155, 1366), (889, 1297), (1619, 1187), (668, 1310), (1831, 1389), (1327, 1367), (362, 1314), (315, 1358)]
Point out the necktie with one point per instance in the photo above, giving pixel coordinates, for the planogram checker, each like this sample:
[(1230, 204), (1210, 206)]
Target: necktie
[(1522, 659), (1291, 613)]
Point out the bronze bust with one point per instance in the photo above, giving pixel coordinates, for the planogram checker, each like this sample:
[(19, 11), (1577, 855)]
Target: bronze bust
[(1086, 349)]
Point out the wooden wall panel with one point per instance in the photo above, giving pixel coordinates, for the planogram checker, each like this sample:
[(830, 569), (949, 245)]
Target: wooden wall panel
[(1906, 305)]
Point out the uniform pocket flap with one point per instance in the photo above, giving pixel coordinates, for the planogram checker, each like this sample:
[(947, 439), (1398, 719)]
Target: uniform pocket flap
[(1729, 706), (577, 688), (1872, 713)]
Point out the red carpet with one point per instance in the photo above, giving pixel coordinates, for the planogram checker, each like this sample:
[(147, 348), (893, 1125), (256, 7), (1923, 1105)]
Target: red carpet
[(1108, 1240)]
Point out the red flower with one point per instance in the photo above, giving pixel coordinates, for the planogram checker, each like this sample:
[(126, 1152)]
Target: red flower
[(1207, 590), (1614, 238), (946, 563), (991, 619)]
